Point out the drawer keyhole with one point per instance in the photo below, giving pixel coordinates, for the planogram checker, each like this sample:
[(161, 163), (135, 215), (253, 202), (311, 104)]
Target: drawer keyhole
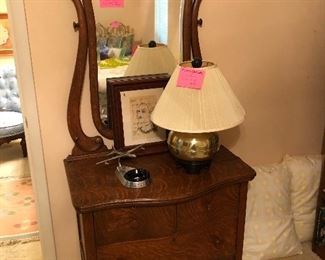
[(216, 241)]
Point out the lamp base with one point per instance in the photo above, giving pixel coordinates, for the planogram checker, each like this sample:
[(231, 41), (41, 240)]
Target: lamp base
[(193, 167), (193, 151)]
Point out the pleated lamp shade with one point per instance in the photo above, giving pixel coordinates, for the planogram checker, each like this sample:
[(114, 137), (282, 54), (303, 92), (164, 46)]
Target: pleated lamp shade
[(212, 108), (151, 60)]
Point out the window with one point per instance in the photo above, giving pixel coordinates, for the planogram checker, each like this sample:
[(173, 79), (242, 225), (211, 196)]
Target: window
[(161, 21)]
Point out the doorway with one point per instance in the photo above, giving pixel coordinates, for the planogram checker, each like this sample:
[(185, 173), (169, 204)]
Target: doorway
[(19, 236), (19, 34)]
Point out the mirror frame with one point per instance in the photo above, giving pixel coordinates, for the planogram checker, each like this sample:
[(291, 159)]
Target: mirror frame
[(190, 35), (86, 26), (83, 144)]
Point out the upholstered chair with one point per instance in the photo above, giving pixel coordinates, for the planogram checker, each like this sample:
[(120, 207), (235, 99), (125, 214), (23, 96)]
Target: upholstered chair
[(11, 119)]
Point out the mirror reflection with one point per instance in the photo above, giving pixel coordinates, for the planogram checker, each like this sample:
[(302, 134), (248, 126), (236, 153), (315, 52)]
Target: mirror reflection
[(123, 37)]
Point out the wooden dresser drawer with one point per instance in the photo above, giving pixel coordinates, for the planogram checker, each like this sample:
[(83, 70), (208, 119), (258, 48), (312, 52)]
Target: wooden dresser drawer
[(133, 223), (215, 216), (168, 248)]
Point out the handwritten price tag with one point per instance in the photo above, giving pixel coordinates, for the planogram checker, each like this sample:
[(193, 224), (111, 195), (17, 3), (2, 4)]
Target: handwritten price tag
[(190, 78), (111, 3)]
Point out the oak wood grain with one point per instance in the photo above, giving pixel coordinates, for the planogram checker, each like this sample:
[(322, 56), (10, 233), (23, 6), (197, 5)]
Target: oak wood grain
[(195, 245), (134, 223), (87, 236), (241, 219), (195, 43), (96, 186), (187, 30), (216, 213)]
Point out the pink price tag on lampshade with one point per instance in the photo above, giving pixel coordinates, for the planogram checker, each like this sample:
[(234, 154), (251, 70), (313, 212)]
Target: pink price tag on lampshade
[(190, 78), (111, 3)]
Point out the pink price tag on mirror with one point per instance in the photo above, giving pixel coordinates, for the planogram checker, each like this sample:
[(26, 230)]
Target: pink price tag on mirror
[(115, 24), (111, 3), (190, 78)]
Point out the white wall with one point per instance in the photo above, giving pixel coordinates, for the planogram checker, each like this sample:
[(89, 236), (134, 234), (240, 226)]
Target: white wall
[(3, 6), (174, 28), (53, 45), (19, 35), (5, 59)]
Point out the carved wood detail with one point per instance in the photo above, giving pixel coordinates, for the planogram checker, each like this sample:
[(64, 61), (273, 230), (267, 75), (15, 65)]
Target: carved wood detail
[(187, 30), (196, 50), (190, 36)]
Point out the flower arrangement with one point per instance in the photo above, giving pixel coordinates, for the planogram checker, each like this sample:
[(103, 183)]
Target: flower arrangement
[(115, 40)]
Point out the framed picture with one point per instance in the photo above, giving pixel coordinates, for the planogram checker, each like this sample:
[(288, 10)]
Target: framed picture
[(5, 39), (130, 103)]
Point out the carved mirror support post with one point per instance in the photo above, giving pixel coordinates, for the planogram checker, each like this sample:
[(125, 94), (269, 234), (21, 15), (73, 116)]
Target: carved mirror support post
[(196, 51), (187, 30), (191, 45)]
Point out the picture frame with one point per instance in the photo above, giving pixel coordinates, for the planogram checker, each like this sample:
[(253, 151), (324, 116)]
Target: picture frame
[(130, 102), (5, 36)]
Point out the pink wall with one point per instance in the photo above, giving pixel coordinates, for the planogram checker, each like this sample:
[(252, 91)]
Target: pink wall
[(273, 55)]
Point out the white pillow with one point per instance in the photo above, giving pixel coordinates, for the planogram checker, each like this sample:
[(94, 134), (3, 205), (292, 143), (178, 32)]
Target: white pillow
[(305, 176), (269, 227)]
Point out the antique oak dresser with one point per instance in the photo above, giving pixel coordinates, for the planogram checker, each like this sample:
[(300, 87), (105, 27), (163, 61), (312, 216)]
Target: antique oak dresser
[(178, 216)]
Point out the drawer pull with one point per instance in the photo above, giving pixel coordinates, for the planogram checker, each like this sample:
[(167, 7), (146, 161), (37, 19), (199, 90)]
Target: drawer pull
[(217, 242)]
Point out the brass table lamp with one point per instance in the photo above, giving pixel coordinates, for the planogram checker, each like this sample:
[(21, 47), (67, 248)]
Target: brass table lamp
[(195, 114)]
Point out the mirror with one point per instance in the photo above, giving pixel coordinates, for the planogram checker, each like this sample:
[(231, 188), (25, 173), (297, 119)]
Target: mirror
[(140, 28), (119, 32)]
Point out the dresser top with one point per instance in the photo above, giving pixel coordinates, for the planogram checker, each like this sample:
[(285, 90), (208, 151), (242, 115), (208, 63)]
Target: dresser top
[(95, 187)]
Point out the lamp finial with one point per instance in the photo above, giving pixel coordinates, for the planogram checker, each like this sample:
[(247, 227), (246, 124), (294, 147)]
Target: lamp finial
[(152, 44), (197, 63)]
